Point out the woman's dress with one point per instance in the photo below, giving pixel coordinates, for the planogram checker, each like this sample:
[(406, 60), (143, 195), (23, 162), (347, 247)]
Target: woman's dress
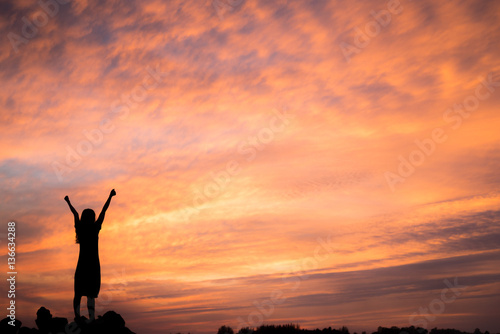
[(88, 269)]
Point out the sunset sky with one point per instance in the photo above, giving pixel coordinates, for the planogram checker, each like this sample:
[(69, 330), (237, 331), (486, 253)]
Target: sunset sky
[(321, 162)]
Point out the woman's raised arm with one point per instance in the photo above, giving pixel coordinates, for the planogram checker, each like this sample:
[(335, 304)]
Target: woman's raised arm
[(105, 207), (73, 210)]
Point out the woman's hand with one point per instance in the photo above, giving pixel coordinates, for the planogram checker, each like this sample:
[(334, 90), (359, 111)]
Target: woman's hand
[(112, 193), (66, 198)]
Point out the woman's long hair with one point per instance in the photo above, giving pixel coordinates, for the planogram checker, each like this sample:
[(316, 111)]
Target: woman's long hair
[(88, 217)]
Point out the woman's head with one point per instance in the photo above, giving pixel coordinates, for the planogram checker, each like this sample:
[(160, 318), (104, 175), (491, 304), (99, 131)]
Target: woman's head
[(88, 216)]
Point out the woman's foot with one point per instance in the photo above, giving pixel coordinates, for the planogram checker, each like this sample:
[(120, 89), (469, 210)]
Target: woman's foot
[(80, 321)]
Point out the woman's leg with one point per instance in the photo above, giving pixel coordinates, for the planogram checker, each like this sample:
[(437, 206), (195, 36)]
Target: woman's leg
[(76, 305), (91, 307)]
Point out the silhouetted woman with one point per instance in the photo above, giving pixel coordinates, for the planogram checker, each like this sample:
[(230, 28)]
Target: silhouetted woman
[(88, 269)]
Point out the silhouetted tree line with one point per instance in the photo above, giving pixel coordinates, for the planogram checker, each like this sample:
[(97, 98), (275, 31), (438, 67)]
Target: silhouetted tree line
[(111, 322), (283, 329), (419, 330), (295, 329)]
